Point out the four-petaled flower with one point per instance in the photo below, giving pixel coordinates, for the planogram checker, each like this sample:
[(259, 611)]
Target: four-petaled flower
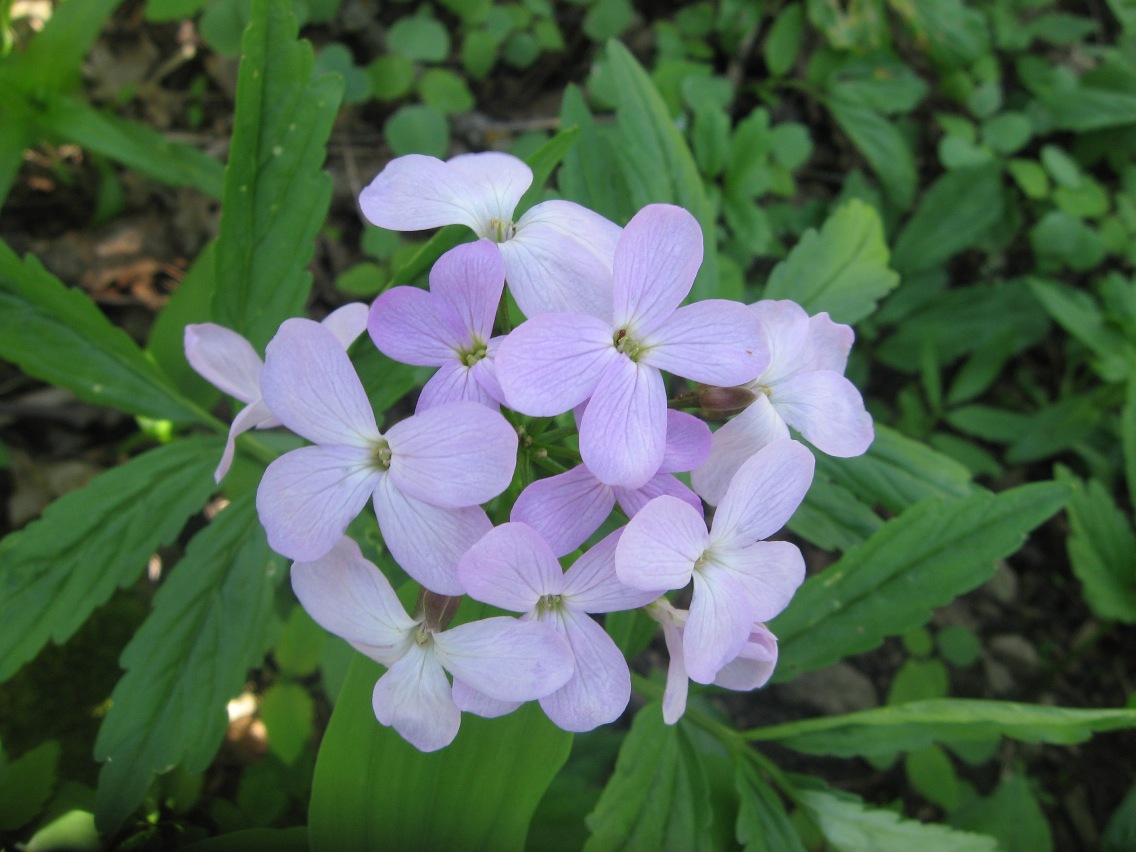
[(555, 361), (482, 190), (739, 579), (427, 474), (506, 659)]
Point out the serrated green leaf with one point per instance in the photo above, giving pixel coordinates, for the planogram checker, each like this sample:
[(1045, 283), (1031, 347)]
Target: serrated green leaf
[(1080, 314), (57, 334), (655, 159), (1012, 815), (588, 175), (954, 213), (897, 472), (53, 61), (923, 558), (659, 797), (543, 162), (882, 145), (373, 790), (134, 145), (1084, 108), (832, 518), (763, 825), (93, 540), (842, 269), (1102, 550), (213, 620), (850, 826), (915, 725), (276, 195)]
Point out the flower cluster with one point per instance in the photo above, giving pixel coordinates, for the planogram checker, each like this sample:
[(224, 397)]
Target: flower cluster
[(581, 390)]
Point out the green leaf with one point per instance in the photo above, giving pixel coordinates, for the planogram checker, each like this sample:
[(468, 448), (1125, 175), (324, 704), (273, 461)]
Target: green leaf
[(17, 134), (297, 653), (832, 518), (931, 772), (588, 175), (843, 269), (849, 825), (255, 840), (897, 472), (1083, 108), (659, 797), (287, 711), (445, 91), (957, 211), (655, 160), (882, 145), (419, 38), (1102, 550), (134, 145), (543, 162), (53, 61), (1012, 815), (918, 680), (417, 129), (212, 621), (763, 825), (373, 790), (172, 10), (1120, 833), (391, 76), (1080, 314), (93, 540), (918, 724), (951, 32), (276, 195), (784, 40), (57, 334), (26, 784), (923, 558)]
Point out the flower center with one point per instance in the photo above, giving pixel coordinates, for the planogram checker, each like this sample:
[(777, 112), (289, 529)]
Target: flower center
[(501, 230), (548, 603), (475, 353), (627, 344), (422, 635), (381, 455)]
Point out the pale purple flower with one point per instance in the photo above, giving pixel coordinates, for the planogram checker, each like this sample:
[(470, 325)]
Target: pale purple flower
[(803, 387), (426, 474), (512, 567), (751, 668), (449, 327), (506, 659), (555, 361), (739, 579), (557, 255), (569, 507), (227, 361)]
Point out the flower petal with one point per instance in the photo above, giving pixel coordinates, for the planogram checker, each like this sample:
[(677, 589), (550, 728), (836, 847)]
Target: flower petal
[(718, 625), (660, 545), (565, 509), (828, 410), (786, 327), (416, 192), (415, 327), (553, 362), (348, 596), (688, 442), (310, 385), (469, 700), (499, 179), (716, 341), (656, 261), (764, 494), (600, 687), (454, 382), (413, 697), (560, 260), (734, 444), (591, 584), (425, 540), (249, 417), (753, 665), (455, 455), (470, 279), (632, 500), (623, 432), (347, 322), (224, 359), (505, 658), (510, 567), (307, 498), (678, 682), (828, 344), (770, 572)]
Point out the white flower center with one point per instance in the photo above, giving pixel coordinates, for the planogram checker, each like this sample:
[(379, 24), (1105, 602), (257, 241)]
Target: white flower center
[(627, 344), (381, 455), (500, 229)]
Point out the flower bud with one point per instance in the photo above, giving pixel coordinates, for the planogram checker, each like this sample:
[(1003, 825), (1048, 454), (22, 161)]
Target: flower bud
[(724, 402)]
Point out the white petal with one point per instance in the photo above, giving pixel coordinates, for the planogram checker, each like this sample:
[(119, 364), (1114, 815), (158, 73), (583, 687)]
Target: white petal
[(499, 179), (307, 498), (250, 417), (348, 596), (718, 625), (224, 359), (632, 500), (469, 700), (827, 345), (454, 382), (688, 442), (786, 326), (414, 698), (565, 509), (769, 571), (347, 322), (764, 494), (623, 432), (425, 540), (416, 192), (678, 682), (734, 444), (591, 584), (600, 687), (510, 567), (754, 664), (828, 410), (660, 545), (505, 658), (715, 341), (470, 279)]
